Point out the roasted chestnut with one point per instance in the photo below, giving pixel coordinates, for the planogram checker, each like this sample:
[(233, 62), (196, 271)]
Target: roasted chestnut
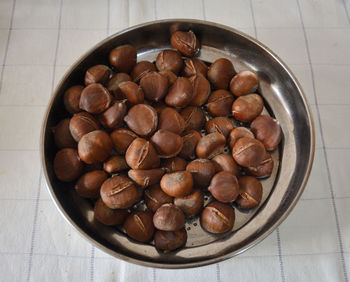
[(146, 177), (210, 145), (192, 203), (170, 240), (264, 169), (171, 120), (250, 192), (225, 163), (132, 92), (224, 187), (95, 99), (237, 133), (220, 103), (180, 93), (97, 74), (141, 155), (139, 226), (141, 69), (223, 125), (67, 165), (71, 99), (123, 58), (201, 89), (169, 60), (194, 118), (113, 84), (218, 217), (155, 86), (89, 184), (244, 82), (185, 42), (220, 73), (155, 197), (167, 143), (174, 164), (190, 141), (115, 164), (81, 124), (248, 152), (247, 107), (114, 115), (169, 218), (63, 137), (177, 184), (202, 171), (109, 216), (122, 138), (194, 66), (142, 119)]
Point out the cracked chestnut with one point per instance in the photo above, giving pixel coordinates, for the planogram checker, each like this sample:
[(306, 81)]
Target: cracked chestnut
[(141, 155), (185, 42), (139, 226), (218, 217), (248, 152), (250, 192), (155, 197)]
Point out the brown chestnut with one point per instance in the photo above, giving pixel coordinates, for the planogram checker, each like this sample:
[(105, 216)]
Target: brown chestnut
[(192, 203), (248, 152), (247, 107), (142, 119), (174, 164), (118, 192), (210, 145), (89, 184), (81, 124), (146, 177), (218, 217), (244, 82), (190, 141), (185, 42), (155, 197), (167, 143), (194, 66), (113, 117), (222, 125), (71, 99), (220, 73), (139, 226), (180, 93), (122, 138), (171, 120), (237, 133), (67, 165), (177, 184), (224, 187), (141, 155), (97, 74), (115, 164), (141, 69), (267, 130), (132, 92), (170, 240), (113, 84), (250, 192), (95, 147), (63, 137), (202, 171), (108, 216), (264, 169), (225, 163), (155, 86), (123, 58), (220, 103), (201, 90), (169, 218), (170, 76), (95, 99), (194, 118), (170, 60)]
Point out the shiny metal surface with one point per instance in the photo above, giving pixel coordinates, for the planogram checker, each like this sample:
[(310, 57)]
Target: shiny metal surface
[(284, 99)]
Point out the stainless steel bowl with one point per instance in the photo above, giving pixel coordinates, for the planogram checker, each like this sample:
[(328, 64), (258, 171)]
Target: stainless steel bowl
[(284, 99)]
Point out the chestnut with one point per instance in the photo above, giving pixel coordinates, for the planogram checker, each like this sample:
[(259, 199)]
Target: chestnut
[(142, 119), (220, 73), (132, 92), (122, 138), (177, 184), (237, 133), (89, 184), (222, 125), (202, 171), (118, 192), (113, 84), (155, 86), (174, 164), (192, 203), (267, 130), (95, 99), (81, 124), (185, 42), (248, 152), (264, 169), (146, 177), (194, 118), (244, 82), (247, 107), (141, 69), (107, 216), (250, 192), (218, 217), (190, 141), (71, 99), (155, 197), (97, 74), (167, 143), (180, 93), (123, 58), (194, 66), (113, 117), (201, 90), (63, 137), (220, 103), (170, 240), (115, 164), (224, 187), (141, 155), (170, 60), (169, 218), (139, 226), (95, 147), (171, 120), (225, 163), (210, 145), (170, 76), (159, 106), (67, 165)]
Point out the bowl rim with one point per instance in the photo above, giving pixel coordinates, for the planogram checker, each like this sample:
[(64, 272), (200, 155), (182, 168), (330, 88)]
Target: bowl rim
[(207, 261)]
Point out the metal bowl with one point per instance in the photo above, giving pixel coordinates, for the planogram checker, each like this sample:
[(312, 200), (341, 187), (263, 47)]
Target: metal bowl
[(284, 99)]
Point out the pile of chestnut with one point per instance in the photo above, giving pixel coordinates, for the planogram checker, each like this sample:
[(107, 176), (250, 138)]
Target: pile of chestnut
[(159, 133)]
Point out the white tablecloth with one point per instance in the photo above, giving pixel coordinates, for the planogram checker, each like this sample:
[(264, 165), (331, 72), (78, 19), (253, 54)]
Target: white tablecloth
[(39, 39)]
